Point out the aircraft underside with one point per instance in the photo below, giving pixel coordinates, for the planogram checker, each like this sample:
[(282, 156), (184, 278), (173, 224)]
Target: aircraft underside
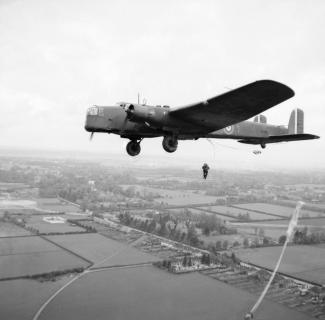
[(220, 117)]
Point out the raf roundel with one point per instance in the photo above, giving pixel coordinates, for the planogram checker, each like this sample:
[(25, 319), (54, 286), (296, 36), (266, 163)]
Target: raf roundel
[(229, 130)]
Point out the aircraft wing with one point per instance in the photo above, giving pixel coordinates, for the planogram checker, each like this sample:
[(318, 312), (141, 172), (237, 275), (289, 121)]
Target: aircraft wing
[(234, 106), (282, 138)]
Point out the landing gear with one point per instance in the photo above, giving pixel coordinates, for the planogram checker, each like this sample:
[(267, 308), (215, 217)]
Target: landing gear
[(170, 143), (263, 146), (133, 148)]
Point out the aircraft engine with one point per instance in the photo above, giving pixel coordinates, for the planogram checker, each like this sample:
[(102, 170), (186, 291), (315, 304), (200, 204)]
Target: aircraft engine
[(145, 114)]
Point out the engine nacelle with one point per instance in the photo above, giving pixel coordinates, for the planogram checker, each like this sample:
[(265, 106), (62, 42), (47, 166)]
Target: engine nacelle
[(155, 116)]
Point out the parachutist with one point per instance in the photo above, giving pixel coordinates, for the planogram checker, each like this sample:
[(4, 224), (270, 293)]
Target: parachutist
[(205, 169)]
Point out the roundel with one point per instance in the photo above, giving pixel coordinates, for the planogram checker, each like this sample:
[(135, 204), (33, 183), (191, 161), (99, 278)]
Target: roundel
[(229, 130)]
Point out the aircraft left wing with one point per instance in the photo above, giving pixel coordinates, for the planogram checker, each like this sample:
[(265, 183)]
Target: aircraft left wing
[(280, 138), (234, 106)]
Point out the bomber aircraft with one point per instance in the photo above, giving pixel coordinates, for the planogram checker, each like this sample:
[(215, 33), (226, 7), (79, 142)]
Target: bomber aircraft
[(221, 117)]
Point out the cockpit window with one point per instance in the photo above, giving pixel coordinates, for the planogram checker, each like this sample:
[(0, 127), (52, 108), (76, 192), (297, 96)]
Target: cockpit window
[(93, 111)]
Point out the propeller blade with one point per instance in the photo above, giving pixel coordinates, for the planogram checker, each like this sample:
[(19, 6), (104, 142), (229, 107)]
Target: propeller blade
[(91, 136)]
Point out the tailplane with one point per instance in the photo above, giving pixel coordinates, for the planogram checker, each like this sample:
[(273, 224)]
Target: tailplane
[(296, 122)]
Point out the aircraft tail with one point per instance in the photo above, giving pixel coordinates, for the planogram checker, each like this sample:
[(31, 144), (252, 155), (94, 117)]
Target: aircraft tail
[(296, 122)]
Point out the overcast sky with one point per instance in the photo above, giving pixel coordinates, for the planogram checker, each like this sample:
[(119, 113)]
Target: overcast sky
[(59, 57)]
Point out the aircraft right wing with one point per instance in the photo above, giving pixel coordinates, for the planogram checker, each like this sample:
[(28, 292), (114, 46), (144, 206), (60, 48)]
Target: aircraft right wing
[(234, 106), (281, 138)]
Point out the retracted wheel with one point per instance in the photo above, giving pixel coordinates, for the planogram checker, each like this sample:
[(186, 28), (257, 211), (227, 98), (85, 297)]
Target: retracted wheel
[(263, 146), (133, 148)]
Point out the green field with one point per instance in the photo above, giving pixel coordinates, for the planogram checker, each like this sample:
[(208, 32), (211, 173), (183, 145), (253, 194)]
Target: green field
[(237, 211), (8, 229), (174, 197), (17, 204), (20, 299), (148, 293), (42, 226), (32, 255), (96, 248), (276, 209), (316, 222), (305, 262), (55, 204)]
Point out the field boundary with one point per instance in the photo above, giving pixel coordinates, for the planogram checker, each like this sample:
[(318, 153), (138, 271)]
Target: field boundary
[(66, 249), (262, 212)]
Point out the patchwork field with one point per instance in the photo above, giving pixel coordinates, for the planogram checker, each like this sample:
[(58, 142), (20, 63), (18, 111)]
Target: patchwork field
[(17, 204), (148, 293), (20, 299), (55, 204), (42, 226), (315, 222), (305, 262), (275, 209), (49, 205), (33, 255), (174, 197), (8, 229), (97, 248), (235, 212)]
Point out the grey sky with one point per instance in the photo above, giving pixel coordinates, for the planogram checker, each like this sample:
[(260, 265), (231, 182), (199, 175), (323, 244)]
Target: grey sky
[(59, 57)]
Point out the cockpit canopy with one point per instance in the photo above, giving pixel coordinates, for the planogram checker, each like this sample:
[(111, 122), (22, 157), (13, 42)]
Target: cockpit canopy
[(95, 111), (92, 111)]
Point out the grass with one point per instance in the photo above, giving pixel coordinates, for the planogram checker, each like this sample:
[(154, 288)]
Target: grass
[(306, 262), (33, 255), (275, 209), (21, 298), (54, 204), (237, 211), (175, 197), (148, 293), (96, 248), (42, 226), (8, 229)]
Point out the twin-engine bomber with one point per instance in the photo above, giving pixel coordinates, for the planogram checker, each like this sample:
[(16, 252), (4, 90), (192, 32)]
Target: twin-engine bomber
[(221, 117)]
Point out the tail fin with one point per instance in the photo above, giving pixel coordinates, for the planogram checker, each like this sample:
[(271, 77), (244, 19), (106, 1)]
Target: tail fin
[(296, 122), (260, 118)]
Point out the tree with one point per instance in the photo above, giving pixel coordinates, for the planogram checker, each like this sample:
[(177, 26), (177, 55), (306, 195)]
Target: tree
[(218, 245), (236, 244), (245, 242), (261, 232), (225, 245), (184, 263), (206, 231), (266, 241), (282, 239)]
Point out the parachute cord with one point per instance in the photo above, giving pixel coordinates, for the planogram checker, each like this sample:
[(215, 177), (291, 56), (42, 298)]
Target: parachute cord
[(213, 147), (291, 227)]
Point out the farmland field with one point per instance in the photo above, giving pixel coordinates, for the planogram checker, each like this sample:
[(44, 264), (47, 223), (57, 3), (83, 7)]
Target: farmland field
[(316, 222), (237, 211), (305, 262), (17, 204), (173, 197), (33, 255), (231, 238), (55, 204), (275, 209), (21, 298), (42, 226), (8, 229), (148, 293), (97, 248)]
